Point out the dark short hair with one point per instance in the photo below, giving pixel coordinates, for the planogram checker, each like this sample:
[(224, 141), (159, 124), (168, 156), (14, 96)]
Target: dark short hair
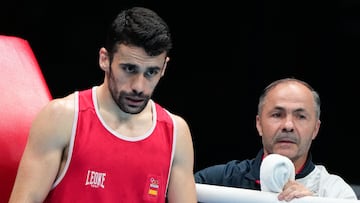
[(139, 27)]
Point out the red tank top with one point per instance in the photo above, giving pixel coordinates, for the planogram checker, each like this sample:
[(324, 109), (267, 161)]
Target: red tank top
[(104, 166)]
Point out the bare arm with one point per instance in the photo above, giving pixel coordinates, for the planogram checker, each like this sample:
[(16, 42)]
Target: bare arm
[(39, 166), (182, 183)]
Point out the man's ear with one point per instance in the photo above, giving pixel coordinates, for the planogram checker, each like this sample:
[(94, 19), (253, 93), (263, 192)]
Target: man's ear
[(317, 127), (258, 125), (167, 59), (104, 61)]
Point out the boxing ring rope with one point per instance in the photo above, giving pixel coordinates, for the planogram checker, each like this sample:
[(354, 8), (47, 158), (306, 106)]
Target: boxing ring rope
[(222, 194), (275, 171)]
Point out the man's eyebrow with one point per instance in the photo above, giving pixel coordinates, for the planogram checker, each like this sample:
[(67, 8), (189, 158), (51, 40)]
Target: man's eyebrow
[(137, 67)]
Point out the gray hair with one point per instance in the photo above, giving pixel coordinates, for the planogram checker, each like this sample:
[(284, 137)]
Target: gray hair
[(285, 80)]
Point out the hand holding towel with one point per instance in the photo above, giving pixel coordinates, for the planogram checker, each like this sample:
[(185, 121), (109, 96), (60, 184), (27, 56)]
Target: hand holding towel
[(275, 171)]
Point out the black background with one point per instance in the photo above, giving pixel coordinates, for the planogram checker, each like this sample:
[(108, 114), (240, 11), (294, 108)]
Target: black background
[(224, 54)]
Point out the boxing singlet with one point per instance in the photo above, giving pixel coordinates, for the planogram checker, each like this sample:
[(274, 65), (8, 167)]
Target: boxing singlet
[(104, 166)]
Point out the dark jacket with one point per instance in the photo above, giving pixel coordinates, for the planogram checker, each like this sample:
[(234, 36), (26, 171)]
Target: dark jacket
[(241, 174)]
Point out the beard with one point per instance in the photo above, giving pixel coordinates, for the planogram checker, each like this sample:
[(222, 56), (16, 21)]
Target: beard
[(132, 103)]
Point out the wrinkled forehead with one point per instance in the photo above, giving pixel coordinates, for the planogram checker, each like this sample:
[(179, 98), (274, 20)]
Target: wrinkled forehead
[(290, 93)]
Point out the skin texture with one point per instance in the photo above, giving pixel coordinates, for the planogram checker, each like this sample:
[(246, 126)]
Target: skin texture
[(288, 123), (130, 79)]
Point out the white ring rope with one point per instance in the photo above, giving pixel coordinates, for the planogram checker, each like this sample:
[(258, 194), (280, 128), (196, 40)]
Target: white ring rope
[(222, 194), (275, 171)]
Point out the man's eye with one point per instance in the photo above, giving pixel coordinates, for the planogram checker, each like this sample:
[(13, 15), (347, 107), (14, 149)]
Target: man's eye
[(129, 69), (151, 73), (276, 115), (301, 116)]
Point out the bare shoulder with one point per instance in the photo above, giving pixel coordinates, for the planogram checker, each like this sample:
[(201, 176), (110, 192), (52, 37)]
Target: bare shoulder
[(60, 108), (183, 132), (55, 119), (181, 124), (184, 151), (64, 103)]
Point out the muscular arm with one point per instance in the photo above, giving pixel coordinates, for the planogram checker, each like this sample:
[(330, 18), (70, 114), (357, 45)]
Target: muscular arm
[(39, 166), (182, 185)]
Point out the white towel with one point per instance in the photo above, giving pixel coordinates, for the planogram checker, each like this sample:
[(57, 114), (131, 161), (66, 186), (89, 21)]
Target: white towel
[(275, 171)]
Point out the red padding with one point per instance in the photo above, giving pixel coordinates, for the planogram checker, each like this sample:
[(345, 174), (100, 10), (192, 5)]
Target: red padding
[(23, 92)]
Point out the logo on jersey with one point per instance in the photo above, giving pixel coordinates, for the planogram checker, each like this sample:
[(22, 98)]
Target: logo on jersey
[(153, 187), (95, 179)]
